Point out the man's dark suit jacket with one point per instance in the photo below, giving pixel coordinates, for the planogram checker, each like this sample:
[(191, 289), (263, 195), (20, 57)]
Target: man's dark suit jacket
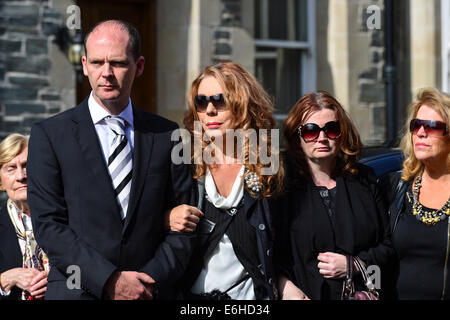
[(10, 253), (75, 215)]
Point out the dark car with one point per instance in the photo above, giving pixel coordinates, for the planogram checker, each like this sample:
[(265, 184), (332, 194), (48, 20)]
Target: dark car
[(382, 159)]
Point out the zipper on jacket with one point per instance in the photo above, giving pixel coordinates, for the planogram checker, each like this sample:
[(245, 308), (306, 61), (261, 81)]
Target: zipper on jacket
[(446, 260)]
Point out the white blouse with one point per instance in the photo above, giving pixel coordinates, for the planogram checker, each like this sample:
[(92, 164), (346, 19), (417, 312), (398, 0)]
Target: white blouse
[(223, 260)]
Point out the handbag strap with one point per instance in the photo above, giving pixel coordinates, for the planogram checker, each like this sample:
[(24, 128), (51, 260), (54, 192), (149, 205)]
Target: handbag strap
[(348, 288), (201, 194), (349, 267), (365, 275), (238, 282)]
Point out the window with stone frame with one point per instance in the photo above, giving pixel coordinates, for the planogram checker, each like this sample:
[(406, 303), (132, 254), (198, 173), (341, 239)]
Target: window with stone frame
[(284, 50)]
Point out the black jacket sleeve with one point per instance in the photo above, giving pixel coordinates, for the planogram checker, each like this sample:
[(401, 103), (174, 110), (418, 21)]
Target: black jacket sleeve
[(283, 261), (50, 217), (174, 253)]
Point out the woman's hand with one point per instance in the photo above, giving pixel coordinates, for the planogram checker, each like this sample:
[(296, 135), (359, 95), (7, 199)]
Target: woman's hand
[(39, 285), (332, 265), (289, 290), (183, 218), (18, 277)]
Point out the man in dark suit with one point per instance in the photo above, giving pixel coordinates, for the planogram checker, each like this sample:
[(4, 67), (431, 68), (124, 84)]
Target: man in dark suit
[(100, 179)]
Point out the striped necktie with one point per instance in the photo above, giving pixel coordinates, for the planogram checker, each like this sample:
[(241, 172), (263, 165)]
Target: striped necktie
[(120, 163)]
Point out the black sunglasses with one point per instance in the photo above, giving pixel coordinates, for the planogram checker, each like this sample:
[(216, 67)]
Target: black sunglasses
[(311, 131), (431, 127), (201, 102)]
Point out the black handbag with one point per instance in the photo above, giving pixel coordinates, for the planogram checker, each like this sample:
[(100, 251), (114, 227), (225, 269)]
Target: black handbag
[(348, 289)]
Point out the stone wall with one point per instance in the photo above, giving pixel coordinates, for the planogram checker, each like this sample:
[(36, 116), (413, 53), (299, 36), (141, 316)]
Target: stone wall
[(26, 95)]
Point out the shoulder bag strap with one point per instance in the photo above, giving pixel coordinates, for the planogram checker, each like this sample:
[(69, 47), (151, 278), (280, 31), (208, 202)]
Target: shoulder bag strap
[(238, 282), (348, 289), (218, 232), (365, 275), (201, 194)]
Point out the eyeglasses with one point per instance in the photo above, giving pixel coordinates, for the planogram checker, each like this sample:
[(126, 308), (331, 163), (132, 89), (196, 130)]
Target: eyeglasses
[(201, 102), (311, 131), (432, 127)]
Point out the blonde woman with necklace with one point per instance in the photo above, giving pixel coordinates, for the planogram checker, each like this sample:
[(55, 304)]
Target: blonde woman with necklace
[(421, 206)]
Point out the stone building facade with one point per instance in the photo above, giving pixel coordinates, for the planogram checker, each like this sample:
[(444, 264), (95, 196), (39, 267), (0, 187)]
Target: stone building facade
[(27, 30), (326, 45)]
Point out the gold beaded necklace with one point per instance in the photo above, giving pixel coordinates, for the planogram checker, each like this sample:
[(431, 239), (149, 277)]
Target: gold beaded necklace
[(430, 218)]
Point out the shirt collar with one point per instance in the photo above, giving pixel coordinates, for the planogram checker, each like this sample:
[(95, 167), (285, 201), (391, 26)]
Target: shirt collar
[(98, 113)]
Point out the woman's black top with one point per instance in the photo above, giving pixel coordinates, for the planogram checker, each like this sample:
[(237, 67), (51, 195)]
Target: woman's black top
[(421, 250), (359, 226), (331, 288), (329, 200)]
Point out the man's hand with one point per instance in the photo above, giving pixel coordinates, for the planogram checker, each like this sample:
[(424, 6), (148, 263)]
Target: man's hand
[(183, 218), (39, 285), (18, 277), (130, 285)]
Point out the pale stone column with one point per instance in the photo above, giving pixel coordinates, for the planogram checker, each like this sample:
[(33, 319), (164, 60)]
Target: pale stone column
[(425, 44), (194, 43), (338, 48)]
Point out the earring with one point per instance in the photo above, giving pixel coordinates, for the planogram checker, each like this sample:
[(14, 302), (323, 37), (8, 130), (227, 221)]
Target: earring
[(252, 182)]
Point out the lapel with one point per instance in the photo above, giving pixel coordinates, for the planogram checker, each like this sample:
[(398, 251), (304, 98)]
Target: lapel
[(9, 244), (86, 136), (143, 142)]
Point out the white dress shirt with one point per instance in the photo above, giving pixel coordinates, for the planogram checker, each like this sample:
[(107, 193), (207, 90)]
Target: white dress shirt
[(105, 135)]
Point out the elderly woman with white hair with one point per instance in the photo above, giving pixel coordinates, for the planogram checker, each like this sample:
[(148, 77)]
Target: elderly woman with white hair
[(23, 265)]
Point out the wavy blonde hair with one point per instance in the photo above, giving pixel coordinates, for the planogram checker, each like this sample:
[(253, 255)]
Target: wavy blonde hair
[(251, 108), (438, 101), (11, 147)]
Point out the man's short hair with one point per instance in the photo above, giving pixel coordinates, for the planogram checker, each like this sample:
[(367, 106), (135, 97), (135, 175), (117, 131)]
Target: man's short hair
[(134, 41)]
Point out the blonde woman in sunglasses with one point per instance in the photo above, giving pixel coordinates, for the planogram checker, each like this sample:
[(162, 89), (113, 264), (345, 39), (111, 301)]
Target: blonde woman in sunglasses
[(419, 200), (333, 210)]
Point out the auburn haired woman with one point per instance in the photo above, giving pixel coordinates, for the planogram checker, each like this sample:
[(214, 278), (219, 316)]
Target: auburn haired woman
[(332, 206), (235, 180)]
